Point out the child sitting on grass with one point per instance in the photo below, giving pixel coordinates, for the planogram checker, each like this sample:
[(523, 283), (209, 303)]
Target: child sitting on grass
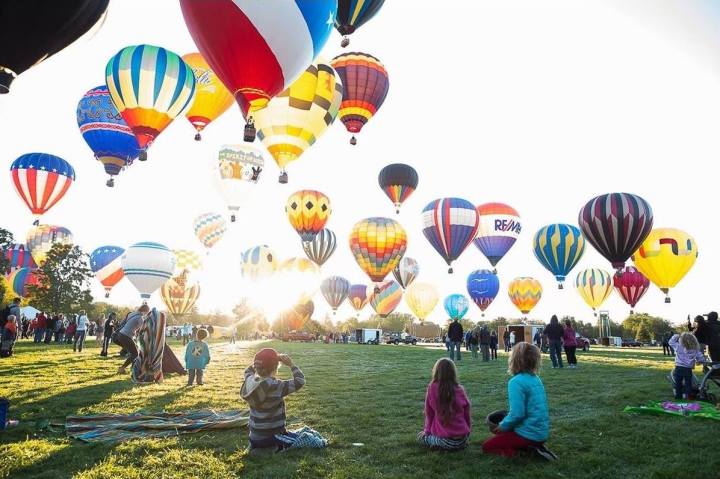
[(264, 394), (687, 354), (527, 425), (197, 357), (447, 410)]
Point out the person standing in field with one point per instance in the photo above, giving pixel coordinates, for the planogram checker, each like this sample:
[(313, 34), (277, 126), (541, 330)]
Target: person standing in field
[(555, 334), (493, 344), (473, 340), (512, 339), (80, 331), (570, 344), (197, 357), (485, 343), (506, 340), (455, 336), (108, 329)]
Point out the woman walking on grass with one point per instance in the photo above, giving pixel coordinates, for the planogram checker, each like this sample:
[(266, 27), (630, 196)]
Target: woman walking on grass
[(570, 344), (493, 344)]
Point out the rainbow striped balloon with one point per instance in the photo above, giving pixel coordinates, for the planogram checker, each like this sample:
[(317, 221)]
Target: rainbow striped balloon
[(209, 228), (21, 279), (525, 293), (384, 297)]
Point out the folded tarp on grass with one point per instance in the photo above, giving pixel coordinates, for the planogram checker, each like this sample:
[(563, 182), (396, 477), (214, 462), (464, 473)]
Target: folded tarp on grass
[(696, 409), (121, 427)]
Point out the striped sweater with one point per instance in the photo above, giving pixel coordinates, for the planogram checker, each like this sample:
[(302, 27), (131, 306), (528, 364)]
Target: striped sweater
[(265, 398)]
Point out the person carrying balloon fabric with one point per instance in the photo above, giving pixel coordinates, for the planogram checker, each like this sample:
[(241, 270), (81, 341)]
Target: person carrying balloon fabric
[(125, 337), (688, 353), (147, 367), (448, 421), (265, 394), (197, 357)]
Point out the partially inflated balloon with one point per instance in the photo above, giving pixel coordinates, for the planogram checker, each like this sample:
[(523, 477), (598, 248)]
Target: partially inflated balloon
[(406, 271), (179, 296), (18, 256), (299, 315), (483, 286), (148, 266), (105, 262), (237, 174), (421, 298), (352, 14), (499, 228), (631, 285), (450, 224), (456, 306), (335, 290), (594, 286), (20, 279), (308, 211), (212, 99), (358, 297), (258, 263), (385, 297), (209, 228), (378, 245), (525, 293), (41, 180), (40, 240), (559, 247), (398, 181), (665, 257), (321, 247)]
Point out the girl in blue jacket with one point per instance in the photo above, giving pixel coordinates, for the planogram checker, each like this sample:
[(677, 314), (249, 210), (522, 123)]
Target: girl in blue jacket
[(197, 356)]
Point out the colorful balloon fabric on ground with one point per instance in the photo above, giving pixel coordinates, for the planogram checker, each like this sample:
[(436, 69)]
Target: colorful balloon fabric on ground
[(665, 257), (594, 286), (352, 14), (335, 290), (41, 180), (421, 298), (321, 247), (378, 245), (365, 86), (456, 306), (616, 224), (106, 133), (105, 262), (525, 293), (398, 181), (148, 266), (41, 238), (178, 296), (258, 263), (149, 86), (308, 211), (483, 286), (258, 49), (18, 256), (384, 297), (212, 99), (559, 247), (450, 224), (20, 279), (406, 271), (630, 284), (358, 297), (499, 228), (237, 174), (294, 120), (209, 228), (32, 31)]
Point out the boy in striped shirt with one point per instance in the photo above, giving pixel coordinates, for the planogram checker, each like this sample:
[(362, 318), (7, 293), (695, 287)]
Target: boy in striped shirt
[(265, 396)]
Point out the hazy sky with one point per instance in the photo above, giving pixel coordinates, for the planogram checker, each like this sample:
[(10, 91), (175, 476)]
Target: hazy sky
[(541, 105)]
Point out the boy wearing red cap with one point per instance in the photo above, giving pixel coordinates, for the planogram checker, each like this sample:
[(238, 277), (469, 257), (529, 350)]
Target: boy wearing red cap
[(264, 394)]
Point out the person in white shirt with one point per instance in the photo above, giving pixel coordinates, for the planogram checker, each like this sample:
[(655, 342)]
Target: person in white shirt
[(80, 331), (512, 338)]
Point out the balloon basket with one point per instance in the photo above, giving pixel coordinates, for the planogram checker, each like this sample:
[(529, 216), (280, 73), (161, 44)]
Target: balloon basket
[(667, 300), (353, 140), (249, 133), (450, 270), (198, 137), (107, 294), (110, 183), (143, 156), (345, 42), (36, 222), (494, 271), (560, 286), (283, 178), (232, 218)]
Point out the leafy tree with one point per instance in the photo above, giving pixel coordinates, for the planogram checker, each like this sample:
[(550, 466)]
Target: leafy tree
[(643, 332), (64, 281), (652, 326), (6, 240), (100, 308)]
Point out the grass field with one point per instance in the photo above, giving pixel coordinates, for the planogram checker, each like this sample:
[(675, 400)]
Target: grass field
[(372, 395)]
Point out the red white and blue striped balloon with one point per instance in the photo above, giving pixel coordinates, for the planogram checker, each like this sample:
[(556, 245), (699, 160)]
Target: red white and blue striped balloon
[(19, 256), (148, 266), (105, 262), (450, 224), (41, 180)]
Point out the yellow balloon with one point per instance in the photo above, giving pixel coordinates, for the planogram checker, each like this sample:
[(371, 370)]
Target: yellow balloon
[(525, 293), (594, 286), (293, 120), (212, 99), (422, 299), (179, 296), (665, 257)]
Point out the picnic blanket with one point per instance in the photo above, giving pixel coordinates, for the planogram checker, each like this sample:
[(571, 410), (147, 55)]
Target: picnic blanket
[(300, 438), (121, 427), (677, 408)]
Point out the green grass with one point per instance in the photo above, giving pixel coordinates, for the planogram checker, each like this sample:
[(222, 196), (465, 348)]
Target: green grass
[(355, 394)]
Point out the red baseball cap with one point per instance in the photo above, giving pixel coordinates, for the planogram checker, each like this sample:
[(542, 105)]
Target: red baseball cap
[(267, 358)]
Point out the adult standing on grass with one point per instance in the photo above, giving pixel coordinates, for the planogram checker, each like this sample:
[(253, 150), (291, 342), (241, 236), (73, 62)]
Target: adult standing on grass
[(512, 339), (666, 344), (485, 343), (493, 344), (455, 335), (473, 341), (125, 338), (714, 333), (40, 325), (537, 339), (506, 340), (70, 331), (555, 334), (570, 344), (706, 336), (108, 328), (80, 331)]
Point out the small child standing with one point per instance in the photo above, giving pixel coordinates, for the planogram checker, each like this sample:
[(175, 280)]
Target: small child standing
[(265, 396), (197, 357), (447, 410), (687, 354), (527, 425)]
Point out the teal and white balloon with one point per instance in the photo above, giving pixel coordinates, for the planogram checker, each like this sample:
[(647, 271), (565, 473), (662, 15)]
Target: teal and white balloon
[(148, 266), (456, 306)]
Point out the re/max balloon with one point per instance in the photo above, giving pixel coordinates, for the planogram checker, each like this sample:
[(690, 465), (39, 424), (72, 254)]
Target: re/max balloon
[(498, 229)]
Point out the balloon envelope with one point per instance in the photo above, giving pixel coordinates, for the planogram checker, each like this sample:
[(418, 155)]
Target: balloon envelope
[(456, 306), (148, 266), (18, 256), (385, 297), (41, 180), (321, 247), (630, 284), (335, 290), (558, 247), (483, 286), (352, 14), (308, 211), (105, 262), (398, 181), (20, 279), (378, 245), (421, 298), (178, 296), (450, 224), (357, 296), (258, 263), (406, 271), (498, 229), (209, 228), (237, 174), (525, 293), (212, 99), (41, 238), (594, 286)]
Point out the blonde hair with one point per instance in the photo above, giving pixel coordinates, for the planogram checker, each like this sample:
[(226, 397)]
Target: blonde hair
[(689, 341), (524, 358)]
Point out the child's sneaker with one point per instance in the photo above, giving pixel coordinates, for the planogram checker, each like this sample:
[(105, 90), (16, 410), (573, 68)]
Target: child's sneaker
[(543, 453)]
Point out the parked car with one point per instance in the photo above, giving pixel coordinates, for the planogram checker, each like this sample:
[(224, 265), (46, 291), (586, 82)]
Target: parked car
[(400, 338), (302, 336), (631, 343), (583, 343)]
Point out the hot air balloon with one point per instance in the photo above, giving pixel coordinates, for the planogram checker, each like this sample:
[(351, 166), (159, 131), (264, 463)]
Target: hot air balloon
[(665, 257), (558, 247), (498, 230), (105, 132), (258, 263), (357, 296), (105, 262), (483, 286), (294, 120), (616, 224), (20, 279), (398, 181), (450, 224), (321, 247), (209, 228), (335, 290), (212, 99), (299, 314), (385, 297), (41, 180), (148, 266), (178, 296), (352, 14), (33, 30), (40, 240), (258, 49), (378, 244), (308, 211), (237, 175), (406, 271), (149, 86), (594, 286), (187, 261), (298, 276), (18, 256), (365, 86), (456, 306), (525, 293), (631, 285), (421, 298)]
